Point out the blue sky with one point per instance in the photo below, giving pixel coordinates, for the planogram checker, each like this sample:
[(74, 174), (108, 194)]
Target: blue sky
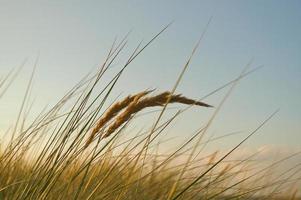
[(73, 37)]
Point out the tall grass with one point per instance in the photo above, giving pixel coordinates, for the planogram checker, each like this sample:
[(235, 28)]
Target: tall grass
[(62, 155)]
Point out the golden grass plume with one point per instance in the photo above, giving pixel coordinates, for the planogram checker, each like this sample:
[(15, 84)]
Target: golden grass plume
[(133, 104), (112, 112)]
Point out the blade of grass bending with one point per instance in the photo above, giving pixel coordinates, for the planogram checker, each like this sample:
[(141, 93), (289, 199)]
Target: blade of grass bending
[(25, 98), (13, 77), (260, 171), (148, 140), (180, 77), (203, 131), (225, 156)]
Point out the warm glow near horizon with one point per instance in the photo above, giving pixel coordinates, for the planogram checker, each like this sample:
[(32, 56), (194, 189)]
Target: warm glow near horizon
[(84, 87)]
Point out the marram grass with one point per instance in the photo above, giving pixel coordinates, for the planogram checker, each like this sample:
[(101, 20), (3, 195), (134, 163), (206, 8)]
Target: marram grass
[(79, 149)]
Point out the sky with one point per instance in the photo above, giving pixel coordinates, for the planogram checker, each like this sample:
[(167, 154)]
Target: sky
[(73, 37)]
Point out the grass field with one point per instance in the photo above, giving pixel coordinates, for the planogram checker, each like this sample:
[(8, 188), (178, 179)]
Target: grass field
[(82, 149)]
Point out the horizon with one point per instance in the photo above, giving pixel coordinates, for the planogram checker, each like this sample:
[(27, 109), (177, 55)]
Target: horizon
[(84, 91)]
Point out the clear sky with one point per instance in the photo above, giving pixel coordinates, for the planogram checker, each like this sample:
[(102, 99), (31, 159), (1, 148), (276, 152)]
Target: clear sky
[(73, 37)]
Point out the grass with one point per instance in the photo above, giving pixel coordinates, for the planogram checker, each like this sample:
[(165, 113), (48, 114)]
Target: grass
[(61, 155)]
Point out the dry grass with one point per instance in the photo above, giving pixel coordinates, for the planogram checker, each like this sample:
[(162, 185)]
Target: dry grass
[(59, 156)]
